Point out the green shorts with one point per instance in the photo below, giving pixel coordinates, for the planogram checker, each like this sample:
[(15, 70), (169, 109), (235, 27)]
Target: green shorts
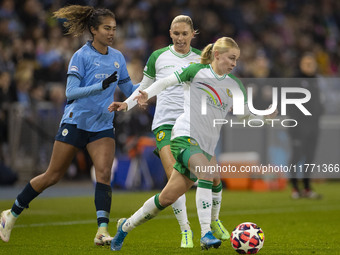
[(163, 135), (182, 149)]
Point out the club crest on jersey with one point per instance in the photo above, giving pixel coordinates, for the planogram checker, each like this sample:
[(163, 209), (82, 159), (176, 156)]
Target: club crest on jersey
[(116, 64), (65, 132), (160, 135), (192, 141), (229, 93)]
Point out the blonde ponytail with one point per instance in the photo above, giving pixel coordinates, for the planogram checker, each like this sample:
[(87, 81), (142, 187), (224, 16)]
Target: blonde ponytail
[(207, 54), (222, 45)]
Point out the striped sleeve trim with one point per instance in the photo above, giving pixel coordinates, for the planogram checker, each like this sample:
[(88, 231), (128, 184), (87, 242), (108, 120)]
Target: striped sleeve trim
[(147, 75), (178, 78), (124, 81), (76, 75)]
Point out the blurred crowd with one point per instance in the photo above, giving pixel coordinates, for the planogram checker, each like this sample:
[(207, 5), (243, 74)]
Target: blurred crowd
[(272, 35)]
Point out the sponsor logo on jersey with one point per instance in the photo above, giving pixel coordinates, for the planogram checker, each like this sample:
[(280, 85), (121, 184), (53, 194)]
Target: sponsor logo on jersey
[(168, 66), (211, 92), (212, 98), (192, 141), (74, 68), (65, 132), (116, 64), (101, 75), (160, 136)]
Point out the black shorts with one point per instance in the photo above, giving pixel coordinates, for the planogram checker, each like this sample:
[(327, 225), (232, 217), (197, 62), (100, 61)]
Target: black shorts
[(69, 133)]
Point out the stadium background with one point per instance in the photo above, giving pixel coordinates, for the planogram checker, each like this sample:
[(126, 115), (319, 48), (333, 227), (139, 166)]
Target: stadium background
[(272, 35)]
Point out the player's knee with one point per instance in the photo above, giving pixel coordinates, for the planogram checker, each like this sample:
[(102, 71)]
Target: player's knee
[(167, 200), (103, 175), (52, 179)]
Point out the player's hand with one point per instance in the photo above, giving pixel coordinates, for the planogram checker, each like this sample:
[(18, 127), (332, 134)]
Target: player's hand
[(273, 115), (117, 106), (142, 99), (112, 78)]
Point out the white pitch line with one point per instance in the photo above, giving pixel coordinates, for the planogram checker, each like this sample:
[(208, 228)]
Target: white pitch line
[(193, 215)]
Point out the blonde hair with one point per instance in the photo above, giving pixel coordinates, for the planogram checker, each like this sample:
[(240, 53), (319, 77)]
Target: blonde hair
[(222, 45), (79, 18), (184, 19)]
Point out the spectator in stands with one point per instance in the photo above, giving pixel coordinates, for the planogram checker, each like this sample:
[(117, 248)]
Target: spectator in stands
[(304, 136)]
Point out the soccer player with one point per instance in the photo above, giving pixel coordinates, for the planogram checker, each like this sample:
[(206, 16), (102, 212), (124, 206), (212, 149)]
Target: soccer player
[(193, 139), (169, 107), (94, 72)]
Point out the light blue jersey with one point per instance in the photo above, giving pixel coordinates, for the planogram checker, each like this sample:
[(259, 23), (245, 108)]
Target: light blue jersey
[(87, 101)]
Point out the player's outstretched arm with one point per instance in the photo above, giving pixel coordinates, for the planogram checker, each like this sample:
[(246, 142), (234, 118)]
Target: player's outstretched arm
[(129, 103), (117, 106), (143, 96)]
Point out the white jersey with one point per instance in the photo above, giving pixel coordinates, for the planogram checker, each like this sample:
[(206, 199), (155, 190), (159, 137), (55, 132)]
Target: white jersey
[(161, 64), (213, 89)]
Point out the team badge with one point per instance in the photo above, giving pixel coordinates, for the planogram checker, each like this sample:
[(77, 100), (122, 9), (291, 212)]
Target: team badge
[(116, 64), (160, 136), (192, 141), (229, 93), (65, 132)]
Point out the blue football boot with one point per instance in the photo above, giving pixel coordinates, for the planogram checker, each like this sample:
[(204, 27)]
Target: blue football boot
[(117, 241), (208, 241)]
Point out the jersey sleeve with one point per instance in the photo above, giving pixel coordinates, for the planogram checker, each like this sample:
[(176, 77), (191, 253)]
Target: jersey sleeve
[(240, 84), (150, 67), (160, 85), (124, 80), (75, 91), (77, 65), (144, 84), (187, 73)]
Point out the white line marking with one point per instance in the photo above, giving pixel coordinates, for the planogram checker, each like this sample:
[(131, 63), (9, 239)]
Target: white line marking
[(194, 215)]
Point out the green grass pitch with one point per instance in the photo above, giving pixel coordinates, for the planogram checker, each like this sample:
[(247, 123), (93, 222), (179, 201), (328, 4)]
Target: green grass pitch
[(68, 225)]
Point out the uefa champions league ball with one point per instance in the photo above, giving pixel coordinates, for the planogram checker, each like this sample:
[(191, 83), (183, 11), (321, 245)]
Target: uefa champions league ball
[(247, 238)]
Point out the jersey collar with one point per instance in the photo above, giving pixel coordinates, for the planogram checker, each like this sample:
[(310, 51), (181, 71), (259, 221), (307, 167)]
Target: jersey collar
[(218, 77), (89, 43), (172, 49)]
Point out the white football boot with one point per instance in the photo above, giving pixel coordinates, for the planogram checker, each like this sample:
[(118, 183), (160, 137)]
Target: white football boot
[(102, 237), (7, 222)]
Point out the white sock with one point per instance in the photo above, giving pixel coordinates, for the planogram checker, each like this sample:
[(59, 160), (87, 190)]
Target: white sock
[(180, 211), (204, 204), (216, 205), (148, 211)]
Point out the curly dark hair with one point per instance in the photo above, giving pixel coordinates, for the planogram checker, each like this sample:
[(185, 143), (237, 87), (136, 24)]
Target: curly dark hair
[(79, 18)]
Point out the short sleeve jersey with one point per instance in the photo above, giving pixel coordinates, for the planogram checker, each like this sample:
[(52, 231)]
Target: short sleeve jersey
[(161, 64), (90, 113), (204, 84)]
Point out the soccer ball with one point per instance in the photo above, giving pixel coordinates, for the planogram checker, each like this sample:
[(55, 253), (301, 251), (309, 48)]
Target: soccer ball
[(247, 238)]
